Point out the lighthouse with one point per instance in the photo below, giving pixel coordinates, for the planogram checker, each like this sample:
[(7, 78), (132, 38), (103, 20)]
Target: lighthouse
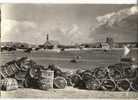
[(47, 37), (50, 44)]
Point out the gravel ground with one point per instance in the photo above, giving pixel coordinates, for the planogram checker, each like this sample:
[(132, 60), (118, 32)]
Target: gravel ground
[(68, 92)]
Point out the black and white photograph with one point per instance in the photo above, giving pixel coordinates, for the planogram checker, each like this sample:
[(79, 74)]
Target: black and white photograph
[(69, 51)]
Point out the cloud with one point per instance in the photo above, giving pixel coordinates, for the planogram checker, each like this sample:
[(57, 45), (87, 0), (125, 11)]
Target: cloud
[(119, 16), (118, 19), (31, 32), (64, 23), (122, 22), (13, 30), (69, 34)]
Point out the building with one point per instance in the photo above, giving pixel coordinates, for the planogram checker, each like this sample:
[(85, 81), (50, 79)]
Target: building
[(122, 44), (50, 44), (105, 45), (113, 44), (110, 41)]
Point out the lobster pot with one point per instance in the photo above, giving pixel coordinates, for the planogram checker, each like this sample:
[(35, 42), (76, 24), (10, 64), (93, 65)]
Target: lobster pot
[(60, 82), (130, 73), (9, 70), (123, 85), (108, 85), (1, 83), (13, 67), (34, 73), (75, 80), (46, 79), (80, 71), (20, 77), (92, 84), (30, 82), (100, 73), (86, 75), (21, 83), (3, 72), (26, 64), (9, 84), (121, 66), (134, 85), (67, 76), (114, 73)]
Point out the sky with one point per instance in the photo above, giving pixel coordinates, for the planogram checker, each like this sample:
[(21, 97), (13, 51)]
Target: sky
[(67, 24)]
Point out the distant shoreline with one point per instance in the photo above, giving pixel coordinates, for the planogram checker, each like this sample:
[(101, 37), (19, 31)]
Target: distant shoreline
[(66, 50)]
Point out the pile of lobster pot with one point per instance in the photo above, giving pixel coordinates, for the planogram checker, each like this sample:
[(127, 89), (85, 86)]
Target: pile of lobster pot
[(116, 77), (25, 73)]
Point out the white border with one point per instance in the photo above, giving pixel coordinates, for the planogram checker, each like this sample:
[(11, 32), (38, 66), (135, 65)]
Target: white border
[(69, 2), (73, 1)]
